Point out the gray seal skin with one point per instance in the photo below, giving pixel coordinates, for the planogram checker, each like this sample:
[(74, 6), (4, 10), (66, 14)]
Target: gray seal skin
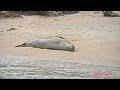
[(55, 43)]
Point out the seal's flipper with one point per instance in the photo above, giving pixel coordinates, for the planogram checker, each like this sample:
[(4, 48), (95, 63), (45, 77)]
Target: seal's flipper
[(22, 45)]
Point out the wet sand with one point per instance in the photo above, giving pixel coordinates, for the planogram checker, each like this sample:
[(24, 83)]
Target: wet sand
[(16, 67)]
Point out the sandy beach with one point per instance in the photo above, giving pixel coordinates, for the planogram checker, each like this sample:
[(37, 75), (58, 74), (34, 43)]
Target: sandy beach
[(96, 39)]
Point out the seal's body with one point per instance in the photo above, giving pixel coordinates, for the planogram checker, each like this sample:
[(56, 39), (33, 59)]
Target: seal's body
[(56, 43)]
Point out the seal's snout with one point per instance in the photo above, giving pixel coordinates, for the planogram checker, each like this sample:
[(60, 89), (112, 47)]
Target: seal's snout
[(72, 48)]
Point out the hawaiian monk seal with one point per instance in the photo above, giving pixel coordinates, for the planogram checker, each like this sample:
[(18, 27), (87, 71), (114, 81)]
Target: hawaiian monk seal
[(55, 43)]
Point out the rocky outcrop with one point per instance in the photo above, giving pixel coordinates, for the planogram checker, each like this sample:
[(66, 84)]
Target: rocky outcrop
[(111, 13), (46, 13), (6, 14)]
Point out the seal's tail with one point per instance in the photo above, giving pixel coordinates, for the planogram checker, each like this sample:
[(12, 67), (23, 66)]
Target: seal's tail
[(22, 45)]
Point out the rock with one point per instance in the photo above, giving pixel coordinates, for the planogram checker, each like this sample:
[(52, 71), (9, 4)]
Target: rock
[(111, 13), (13, 14), (11, 29), (6, 14)]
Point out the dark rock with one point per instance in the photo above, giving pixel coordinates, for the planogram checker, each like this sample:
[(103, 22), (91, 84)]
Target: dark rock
[(13, 14), (111, 14), (6, 14), (11, 29)]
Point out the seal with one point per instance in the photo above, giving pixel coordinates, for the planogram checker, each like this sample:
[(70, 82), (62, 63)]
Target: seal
[(55, 43)]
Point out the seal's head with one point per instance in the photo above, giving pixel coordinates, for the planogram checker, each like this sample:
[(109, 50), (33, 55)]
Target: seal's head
[(71, 48)]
